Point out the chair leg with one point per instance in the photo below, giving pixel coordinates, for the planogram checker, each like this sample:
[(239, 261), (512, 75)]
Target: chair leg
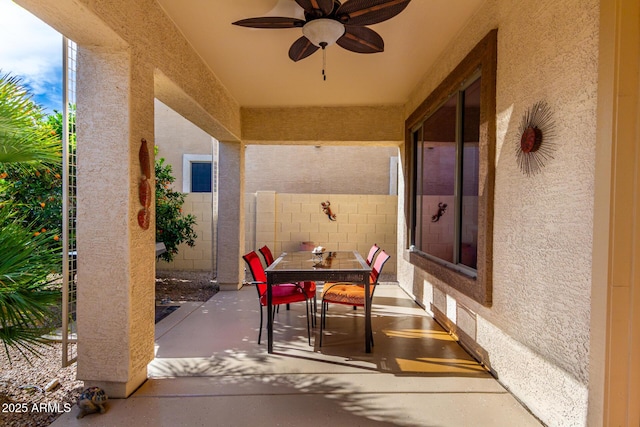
[(372, 344), (260, 330), (325, 308), (313, 309), (322, 320), (307, 305), (312, 314)]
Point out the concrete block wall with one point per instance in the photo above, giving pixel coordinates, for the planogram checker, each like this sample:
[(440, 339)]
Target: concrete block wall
[(199, 257), (285, 221)]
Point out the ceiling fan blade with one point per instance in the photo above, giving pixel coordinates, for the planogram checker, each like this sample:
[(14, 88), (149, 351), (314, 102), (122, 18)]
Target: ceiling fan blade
[(368, 12), (270, 22), (301, 48), (309, 6), (361, 40)]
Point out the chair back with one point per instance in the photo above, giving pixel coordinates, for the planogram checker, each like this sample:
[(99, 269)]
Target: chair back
[(372, 252), (267, 255), (257, 271), (376, 269)]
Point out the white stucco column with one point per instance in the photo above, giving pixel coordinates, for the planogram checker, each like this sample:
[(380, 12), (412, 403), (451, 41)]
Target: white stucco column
[(116, 258), (230, 236)]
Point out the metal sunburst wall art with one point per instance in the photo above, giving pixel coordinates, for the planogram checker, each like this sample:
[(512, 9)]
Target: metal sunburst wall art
[(537, 130)]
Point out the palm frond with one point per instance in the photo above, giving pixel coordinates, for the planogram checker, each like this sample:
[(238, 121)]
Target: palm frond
[(23, 137), (26, 294), (28, 341), (27, 261)]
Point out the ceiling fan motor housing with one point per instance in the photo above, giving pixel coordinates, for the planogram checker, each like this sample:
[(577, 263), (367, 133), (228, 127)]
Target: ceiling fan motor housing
[(323, 32)]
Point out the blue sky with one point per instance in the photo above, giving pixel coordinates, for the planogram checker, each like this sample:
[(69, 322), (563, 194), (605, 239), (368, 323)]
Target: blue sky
[(32, 50)]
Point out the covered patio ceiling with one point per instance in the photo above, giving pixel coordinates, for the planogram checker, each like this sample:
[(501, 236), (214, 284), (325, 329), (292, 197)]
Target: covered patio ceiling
[(253, 64)]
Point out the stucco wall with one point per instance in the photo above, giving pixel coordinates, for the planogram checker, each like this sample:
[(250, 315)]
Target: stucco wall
[(321, 169), (337, 125), (128, 53), (175, 137), (181, 79), (536, 333)]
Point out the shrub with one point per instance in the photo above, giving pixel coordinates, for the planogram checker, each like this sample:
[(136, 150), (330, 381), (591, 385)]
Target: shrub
[(172, 226), (26, 288), (28, 260)]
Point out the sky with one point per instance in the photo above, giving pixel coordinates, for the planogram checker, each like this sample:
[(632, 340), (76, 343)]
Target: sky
[(32, 50)]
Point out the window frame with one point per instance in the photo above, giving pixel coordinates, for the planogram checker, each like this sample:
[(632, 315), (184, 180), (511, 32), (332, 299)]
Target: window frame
[(187, 160), (478, 286), (418, 132)]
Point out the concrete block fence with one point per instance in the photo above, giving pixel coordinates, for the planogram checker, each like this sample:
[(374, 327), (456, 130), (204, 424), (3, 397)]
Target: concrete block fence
[(201, 256), (291, 222)]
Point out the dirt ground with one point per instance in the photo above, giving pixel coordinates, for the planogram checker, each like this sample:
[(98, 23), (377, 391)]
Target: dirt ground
[(23, 399), (182, 286)]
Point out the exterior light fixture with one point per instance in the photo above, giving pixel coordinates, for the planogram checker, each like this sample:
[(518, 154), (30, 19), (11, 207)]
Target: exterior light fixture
[(323, 32)]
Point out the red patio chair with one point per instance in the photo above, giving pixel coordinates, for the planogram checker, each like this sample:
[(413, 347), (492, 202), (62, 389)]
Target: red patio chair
[(281, 294), (372, 253), (309, 287), (350, 293), (267, 255)]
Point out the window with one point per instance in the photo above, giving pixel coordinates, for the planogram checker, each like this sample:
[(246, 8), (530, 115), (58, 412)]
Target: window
[(451, 153), (198, 173), (201, 177), (447, 163)]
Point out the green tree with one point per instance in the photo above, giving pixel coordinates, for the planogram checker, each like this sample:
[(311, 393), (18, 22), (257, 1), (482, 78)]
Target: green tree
[(26, 138), (37, 191), (172, 226), (28, 261)]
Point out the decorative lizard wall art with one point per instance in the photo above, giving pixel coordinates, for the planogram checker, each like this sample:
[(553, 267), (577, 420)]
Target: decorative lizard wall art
[(326, 209)]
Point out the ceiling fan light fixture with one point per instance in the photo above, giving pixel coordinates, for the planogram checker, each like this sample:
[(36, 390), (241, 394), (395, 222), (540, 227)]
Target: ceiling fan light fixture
[(323, 32)]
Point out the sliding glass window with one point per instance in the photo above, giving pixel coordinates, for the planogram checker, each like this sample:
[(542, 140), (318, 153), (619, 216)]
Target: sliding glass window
[(447, 163)]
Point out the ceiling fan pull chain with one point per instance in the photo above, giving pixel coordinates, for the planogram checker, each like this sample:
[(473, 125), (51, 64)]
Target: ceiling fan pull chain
[(324, 63)]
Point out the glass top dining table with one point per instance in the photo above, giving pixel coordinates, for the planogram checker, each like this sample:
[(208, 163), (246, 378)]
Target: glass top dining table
[(338, 266)]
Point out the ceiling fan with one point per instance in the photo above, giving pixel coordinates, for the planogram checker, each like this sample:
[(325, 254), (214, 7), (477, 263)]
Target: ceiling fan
[(330, 21)]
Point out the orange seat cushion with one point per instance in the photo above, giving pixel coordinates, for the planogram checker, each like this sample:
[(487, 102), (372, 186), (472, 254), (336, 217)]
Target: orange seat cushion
[(344, 293)]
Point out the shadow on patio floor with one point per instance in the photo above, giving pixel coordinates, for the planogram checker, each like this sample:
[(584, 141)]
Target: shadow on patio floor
[(209, 370)]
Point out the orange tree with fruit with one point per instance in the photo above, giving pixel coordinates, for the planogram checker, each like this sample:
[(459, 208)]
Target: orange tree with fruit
[(30, 256), (36, 191)]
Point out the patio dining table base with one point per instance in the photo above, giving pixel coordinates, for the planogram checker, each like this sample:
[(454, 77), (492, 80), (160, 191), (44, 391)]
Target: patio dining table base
[(340, 266)]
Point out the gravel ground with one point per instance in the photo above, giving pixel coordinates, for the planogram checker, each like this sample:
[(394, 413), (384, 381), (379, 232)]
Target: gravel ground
[(22, 404)]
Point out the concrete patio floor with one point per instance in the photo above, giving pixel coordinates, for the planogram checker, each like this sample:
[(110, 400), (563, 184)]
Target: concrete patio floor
[(210, 371)]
